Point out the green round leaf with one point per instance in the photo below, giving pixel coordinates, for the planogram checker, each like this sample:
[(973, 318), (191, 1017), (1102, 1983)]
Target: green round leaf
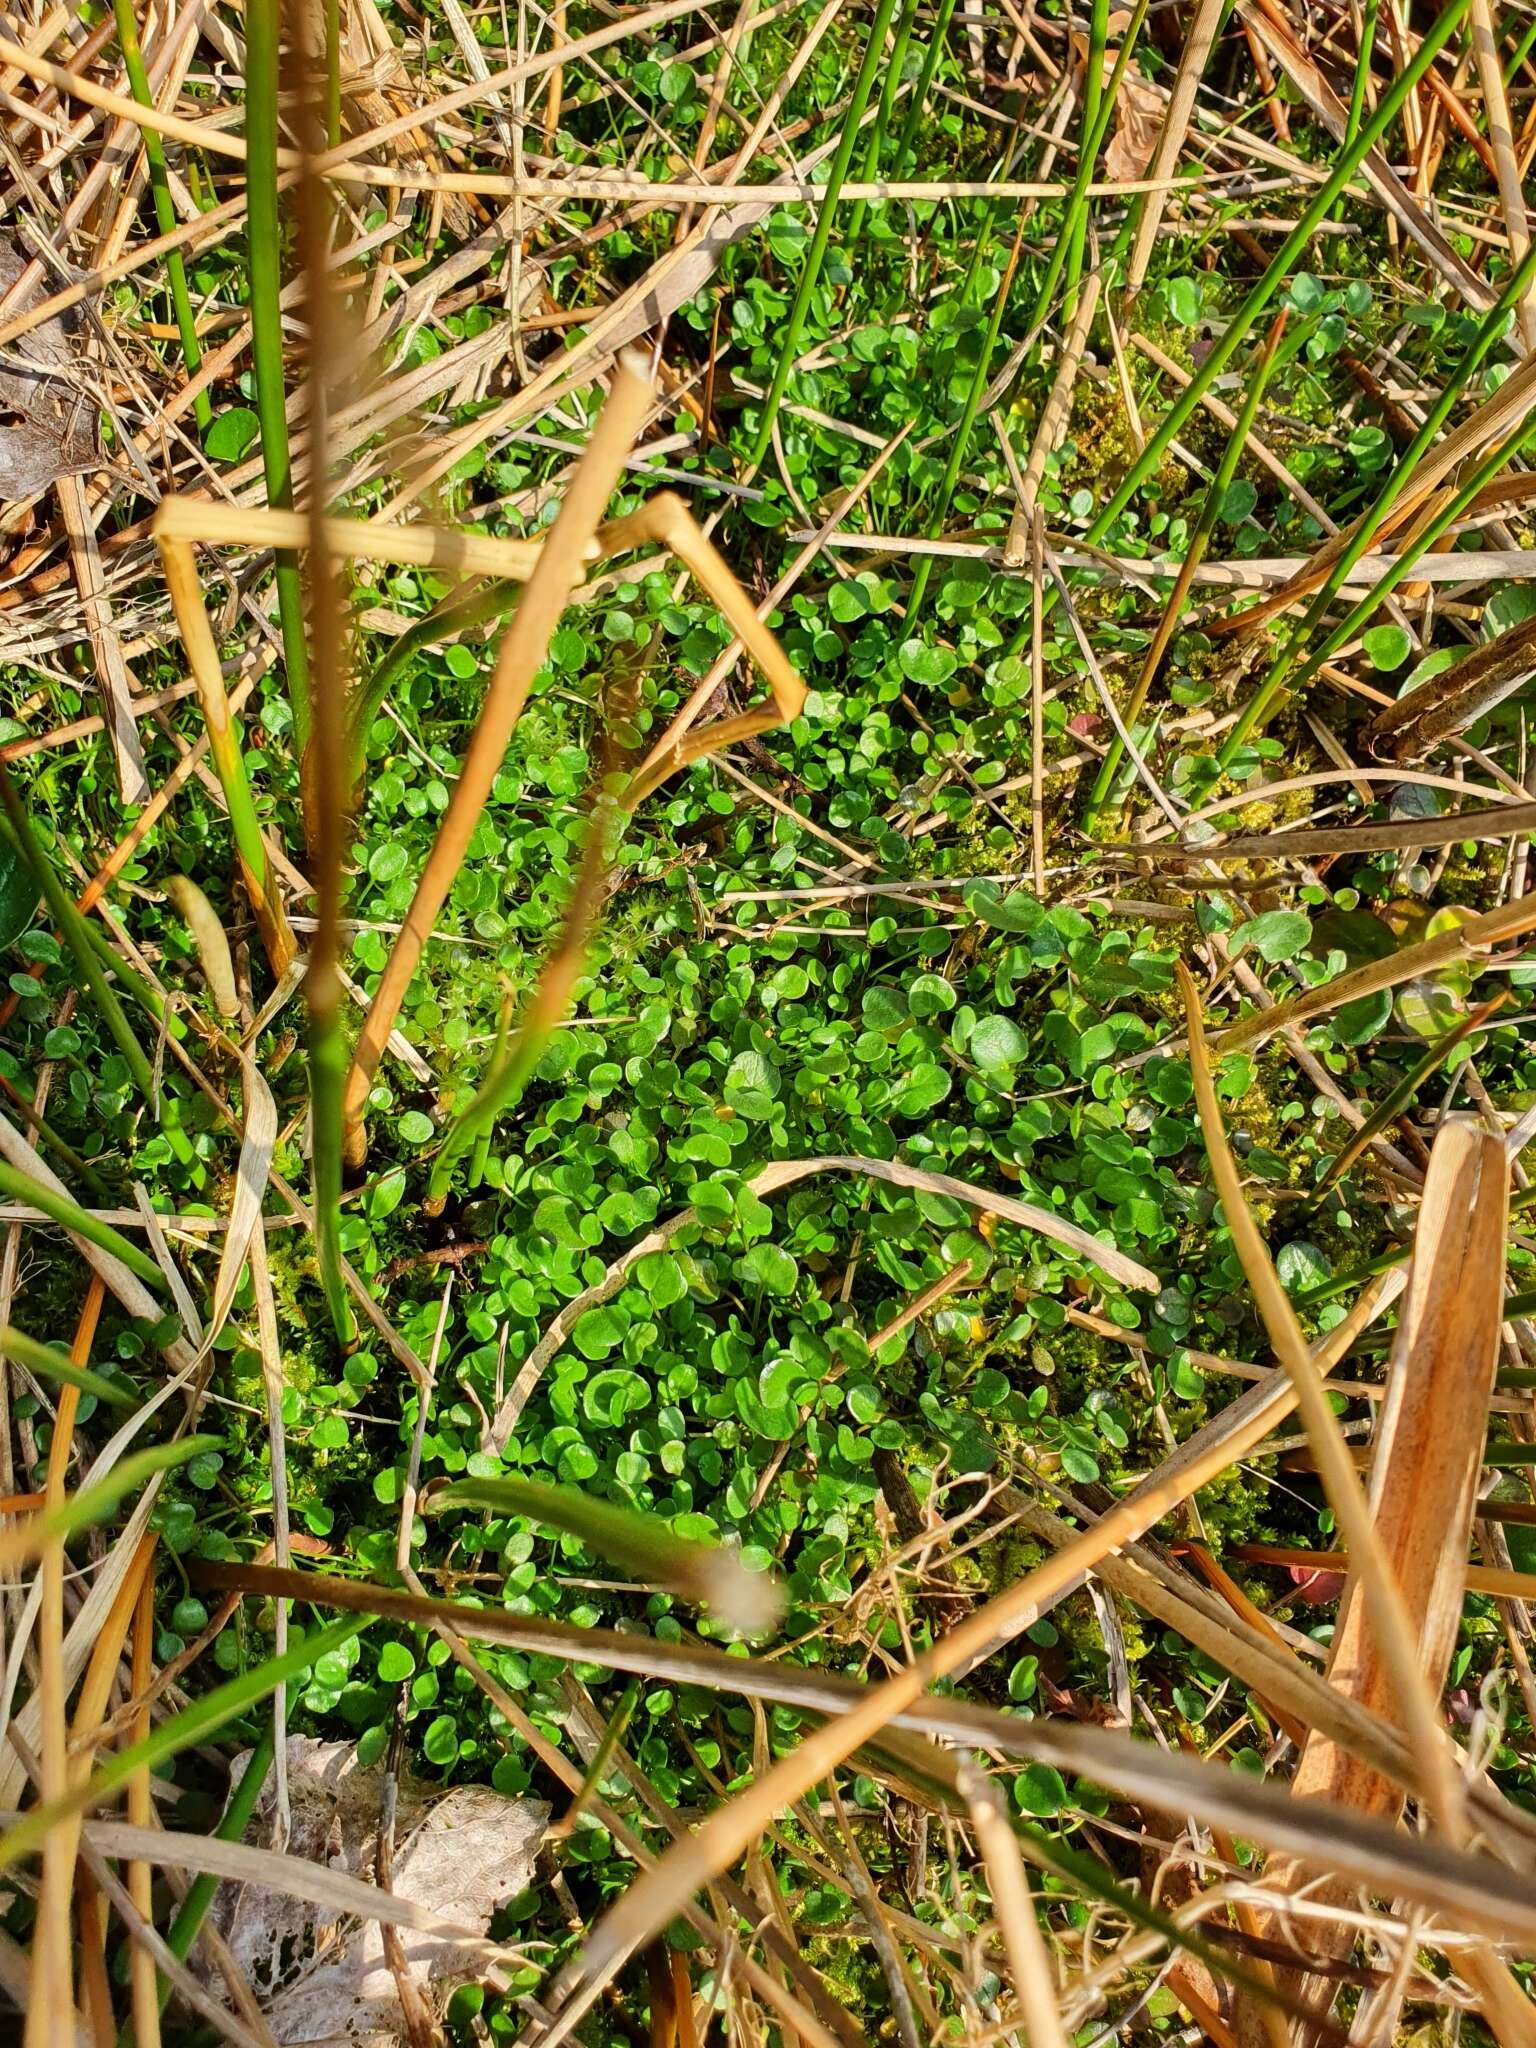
[(231, 434), (1387, 647)]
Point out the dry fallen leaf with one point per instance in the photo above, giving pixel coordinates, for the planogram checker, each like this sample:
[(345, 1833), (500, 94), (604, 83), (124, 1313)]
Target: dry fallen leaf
[(1140, 109), (48, 423), (462, 1854)]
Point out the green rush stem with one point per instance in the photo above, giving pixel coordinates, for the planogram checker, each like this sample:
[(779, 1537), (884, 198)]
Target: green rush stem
[(329, 1064), (1230, 340), (17, 1186), (1368, 19), (44, 1360), (493, 601), (960, 439), (931, 56), (1259, 708), (1272, 356), (80, 1168), (1402, 1095), (1369, 524), (78, 939), (1340, 1283), (1522, 51), (882, 120), (264, 241), (200, 1893), (165, 210), (546, 1008), (1095, 128), (826, 213), (1095, 97)]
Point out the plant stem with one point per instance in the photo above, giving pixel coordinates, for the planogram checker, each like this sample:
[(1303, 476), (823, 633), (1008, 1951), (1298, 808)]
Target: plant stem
[(960, 440), (332, 109), (481, 1153), (547, 1008), (1368, 19), (493, 601), (17, 1186), (826, 213), (165, 211), (1095, 128), (180, 569), (1075, 222), (264, 240), (1316, 210), (193, 1910), (1369, 524), (919, 99), (1270, 360), (77, 938), (888, 92)]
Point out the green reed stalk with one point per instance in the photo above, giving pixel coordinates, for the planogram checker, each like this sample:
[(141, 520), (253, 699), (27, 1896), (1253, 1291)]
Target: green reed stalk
[(1095, 98), (1482, 475), (1270, 360), (165, 210), (919, 100), (73, 926), (54, 1364), (482, 1151), (1075, 214), (826, 213), (960, 439), (888, 91), (17, 1186), (263, 24), (1369, 524), (196, 1723), (1368, 20), (330, 779), (203, 1889), (1316, 210)]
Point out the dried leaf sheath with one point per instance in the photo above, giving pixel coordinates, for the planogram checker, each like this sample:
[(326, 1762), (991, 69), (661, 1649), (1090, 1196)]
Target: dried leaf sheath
[(1423, 1481)]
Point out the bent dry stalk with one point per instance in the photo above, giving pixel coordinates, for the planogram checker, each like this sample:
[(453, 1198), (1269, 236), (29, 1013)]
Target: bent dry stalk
[(550, 570)]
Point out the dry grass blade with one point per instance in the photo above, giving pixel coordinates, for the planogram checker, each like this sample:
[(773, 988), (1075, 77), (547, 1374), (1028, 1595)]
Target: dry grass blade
[(1424, 1473), (1379, 1593), (208, 936), (143, 1990), (1451, 701), (1476, 1890), (1034, 1981), (296, 1876), (548, 592), (1276, 32), (1500, 821), (258, 1140), (53, 1990), (1198, 42), (256, 871), (1053, 423), (1490, 73)]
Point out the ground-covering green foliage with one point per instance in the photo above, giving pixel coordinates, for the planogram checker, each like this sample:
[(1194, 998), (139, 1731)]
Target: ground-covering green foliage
[(831, 945)]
